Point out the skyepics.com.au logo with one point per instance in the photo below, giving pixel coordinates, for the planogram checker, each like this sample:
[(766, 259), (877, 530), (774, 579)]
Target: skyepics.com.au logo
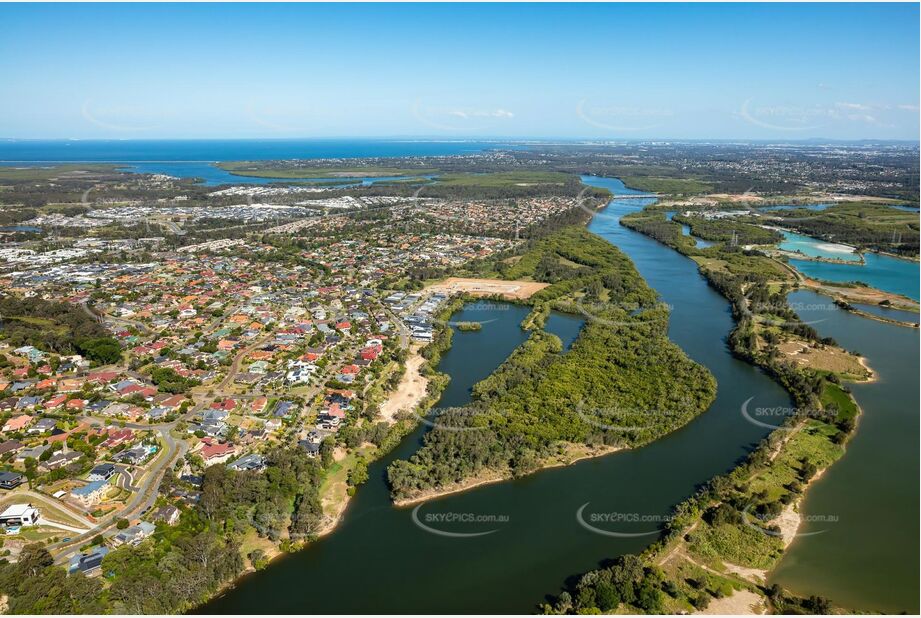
[(467, 418), (474, 307), (616, 313), (458, 525), (778, 417), (625, 419), (783, 313), (457, 117), (780, 526), (619, 118), (620, 524)]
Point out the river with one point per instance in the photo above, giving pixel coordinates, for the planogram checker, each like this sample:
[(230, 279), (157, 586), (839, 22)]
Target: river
[(700, 243), (814, 247), (379, 561), (879, 271), (868, 558)]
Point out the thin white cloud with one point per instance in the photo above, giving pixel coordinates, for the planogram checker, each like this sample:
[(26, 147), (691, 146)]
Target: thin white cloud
[(497, 113), (859, 106)]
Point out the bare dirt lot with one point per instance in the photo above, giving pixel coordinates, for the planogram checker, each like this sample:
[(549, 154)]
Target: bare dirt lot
[(739, 603), (862, 295), (409, 392), (513, 290), (825, 358)]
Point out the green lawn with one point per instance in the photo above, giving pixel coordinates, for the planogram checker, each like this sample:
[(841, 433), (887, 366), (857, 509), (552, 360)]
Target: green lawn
[(833, 393)]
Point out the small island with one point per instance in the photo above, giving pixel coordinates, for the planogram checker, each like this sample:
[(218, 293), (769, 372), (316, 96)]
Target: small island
[(469, 326)]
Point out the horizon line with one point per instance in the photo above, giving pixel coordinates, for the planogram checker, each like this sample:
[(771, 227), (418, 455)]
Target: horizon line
[(484, 138)]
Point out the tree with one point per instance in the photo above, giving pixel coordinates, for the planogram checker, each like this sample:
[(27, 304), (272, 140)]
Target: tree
[(31, 465), (585, 598), (34, 558), (648, 598), (103, 350), (358, 474), (606, 596)]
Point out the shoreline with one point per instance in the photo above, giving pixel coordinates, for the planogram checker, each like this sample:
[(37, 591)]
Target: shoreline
[(873, 377), (879, 318), (499, 477), (792, 515)]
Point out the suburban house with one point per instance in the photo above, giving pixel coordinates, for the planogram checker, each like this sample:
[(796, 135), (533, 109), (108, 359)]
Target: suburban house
[(168, 514), (11, 446), (61, 459), (253, 462), (88, 562), (91, 493), (43, 425), (217, 452), (19, 515), (10, 480), (102, 472), (133, 535), (18, 423), (134, 455)]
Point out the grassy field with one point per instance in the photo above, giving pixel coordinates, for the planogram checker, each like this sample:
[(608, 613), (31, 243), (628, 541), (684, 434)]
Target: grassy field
[(834, 394), (334, 486), (737, 544)]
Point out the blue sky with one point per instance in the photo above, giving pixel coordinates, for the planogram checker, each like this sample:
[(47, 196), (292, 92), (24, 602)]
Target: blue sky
[(845, 71)]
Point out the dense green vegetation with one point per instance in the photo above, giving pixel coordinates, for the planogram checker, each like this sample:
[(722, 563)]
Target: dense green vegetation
[(622, 383), (724, 230), (677, 186), (507, 185), (168, 380), (469, 326), (55, 327), (33, 585), (866, 225)]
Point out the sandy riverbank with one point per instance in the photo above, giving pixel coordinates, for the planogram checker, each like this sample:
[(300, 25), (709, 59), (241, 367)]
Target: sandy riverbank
[(739, 603), (861, 295)]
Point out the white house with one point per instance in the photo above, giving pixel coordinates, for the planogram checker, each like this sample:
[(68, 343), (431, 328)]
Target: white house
[(19, 515)]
